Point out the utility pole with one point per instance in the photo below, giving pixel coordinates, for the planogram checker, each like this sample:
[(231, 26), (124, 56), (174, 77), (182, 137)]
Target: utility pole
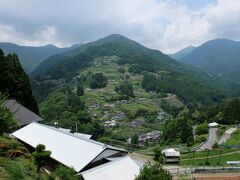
[(76, 127)]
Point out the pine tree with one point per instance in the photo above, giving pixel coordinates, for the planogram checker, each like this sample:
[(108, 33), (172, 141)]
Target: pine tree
[(80, 90)]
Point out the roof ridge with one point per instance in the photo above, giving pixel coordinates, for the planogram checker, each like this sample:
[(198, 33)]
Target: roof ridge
[(71, 134)]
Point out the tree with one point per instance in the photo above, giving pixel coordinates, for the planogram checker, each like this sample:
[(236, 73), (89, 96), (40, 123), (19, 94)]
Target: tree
[(80, 90), (202, 129), (7, 121), (97, 80), (15, 82), (178, 130), (41, 155), (153, 171), (134, 140), (125, 89)]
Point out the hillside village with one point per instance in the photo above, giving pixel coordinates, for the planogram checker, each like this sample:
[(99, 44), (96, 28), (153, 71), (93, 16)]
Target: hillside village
[(83, 96), (119, 116)]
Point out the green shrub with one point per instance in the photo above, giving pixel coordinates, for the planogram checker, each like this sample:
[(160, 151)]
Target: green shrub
[(202, 129), (153, 171), (64, 173), (201, 138), (207, 163), (15, 170), (40, 148)]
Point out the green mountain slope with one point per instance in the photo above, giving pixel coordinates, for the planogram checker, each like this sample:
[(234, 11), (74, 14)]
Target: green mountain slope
[(185, 51), (140, 58), (220, 57), (30, 56)]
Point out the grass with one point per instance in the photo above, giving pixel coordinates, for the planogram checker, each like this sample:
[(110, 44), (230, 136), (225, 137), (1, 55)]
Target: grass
[(214, 161), (234, 139), (205, 153), (187, 159)]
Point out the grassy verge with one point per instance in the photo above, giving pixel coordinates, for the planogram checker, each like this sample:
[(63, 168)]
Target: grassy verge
[(234, 139)]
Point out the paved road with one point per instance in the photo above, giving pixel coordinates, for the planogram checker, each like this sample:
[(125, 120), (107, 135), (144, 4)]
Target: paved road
[(227, 135), (212, 138)]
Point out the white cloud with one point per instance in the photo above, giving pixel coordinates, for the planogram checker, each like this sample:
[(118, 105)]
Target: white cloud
[(163, 25)]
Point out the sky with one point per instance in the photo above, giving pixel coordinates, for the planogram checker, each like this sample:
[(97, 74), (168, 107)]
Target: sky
[(166, 25)]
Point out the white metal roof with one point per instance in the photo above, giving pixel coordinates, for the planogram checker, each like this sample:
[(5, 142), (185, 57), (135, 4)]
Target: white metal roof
[(67, 148), (171, 152), (87, 136), (213, 124), (121, 168)]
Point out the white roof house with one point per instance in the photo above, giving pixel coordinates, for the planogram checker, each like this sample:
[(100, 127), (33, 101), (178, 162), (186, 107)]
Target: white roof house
[(69, 149), (121, 168), (213, 124)]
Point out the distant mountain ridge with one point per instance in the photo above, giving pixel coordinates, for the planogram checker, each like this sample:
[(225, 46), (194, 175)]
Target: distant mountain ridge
[(220, 57), (183, 52), (31, 56)]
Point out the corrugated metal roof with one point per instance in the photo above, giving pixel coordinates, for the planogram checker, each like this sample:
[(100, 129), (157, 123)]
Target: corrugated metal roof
[(23, 115), (171, 152), (213, 124), (88, 136), (119, 169), (67, 148)]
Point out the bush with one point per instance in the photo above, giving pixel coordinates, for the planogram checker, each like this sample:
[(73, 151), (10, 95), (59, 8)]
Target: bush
[(40, 148), (153, 171), (207, 163), (64, 173), (215, 145), (41, 155), (201, 138), (202, 129), (97, 80), (15, 170)]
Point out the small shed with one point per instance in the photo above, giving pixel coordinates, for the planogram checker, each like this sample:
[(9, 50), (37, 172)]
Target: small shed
[(171, 155)]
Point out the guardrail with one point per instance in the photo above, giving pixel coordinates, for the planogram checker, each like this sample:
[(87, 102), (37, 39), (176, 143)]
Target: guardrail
[(202, 169)]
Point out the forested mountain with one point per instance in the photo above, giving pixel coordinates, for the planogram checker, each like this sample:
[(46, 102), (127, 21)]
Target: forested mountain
[(31, 56), (14, 82), (167, 74), (220, 57), (185, 51)]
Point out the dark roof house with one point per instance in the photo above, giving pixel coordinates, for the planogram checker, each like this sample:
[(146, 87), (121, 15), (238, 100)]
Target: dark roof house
[(23, 115)]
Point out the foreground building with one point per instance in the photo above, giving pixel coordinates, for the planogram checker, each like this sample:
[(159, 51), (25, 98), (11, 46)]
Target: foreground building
[(81, 153)]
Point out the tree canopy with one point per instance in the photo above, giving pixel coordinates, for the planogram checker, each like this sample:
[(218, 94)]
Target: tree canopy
[(15, 82)]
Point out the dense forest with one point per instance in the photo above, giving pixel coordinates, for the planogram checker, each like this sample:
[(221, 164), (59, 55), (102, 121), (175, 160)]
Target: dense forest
[(14, 81)]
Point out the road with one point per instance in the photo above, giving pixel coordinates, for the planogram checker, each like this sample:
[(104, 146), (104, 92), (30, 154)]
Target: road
[(227, 135), (212, 138)]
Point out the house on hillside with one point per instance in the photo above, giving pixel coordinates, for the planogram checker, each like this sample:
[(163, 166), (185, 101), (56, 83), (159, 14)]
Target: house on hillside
[(110, 124), (86, 156), (23, 115), (213, 125), (171, 155)]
